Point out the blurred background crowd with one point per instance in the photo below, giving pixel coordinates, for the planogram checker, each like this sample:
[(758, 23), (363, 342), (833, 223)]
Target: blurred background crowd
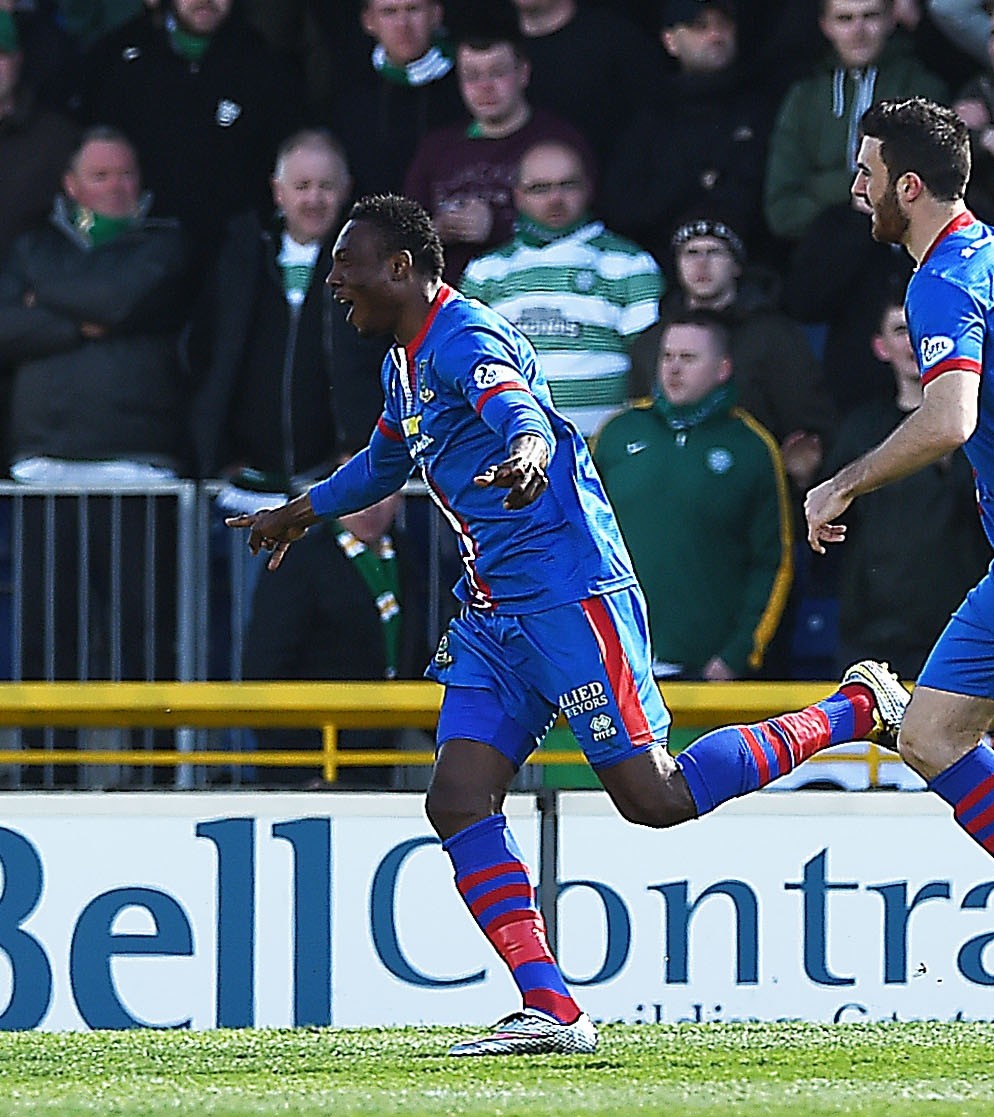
[(655, 191)]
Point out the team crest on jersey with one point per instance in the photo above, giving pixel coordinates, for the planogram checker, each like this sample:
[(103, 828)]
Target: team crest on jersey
[(488, 375), (227, 112), (425, 394), (935, 348), (583, 281), (443, 657), (719, 460)]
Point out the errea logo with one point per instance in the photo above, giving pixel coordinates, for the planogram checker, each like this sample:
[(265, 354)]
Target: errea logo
[(934, 349), (488, 375)]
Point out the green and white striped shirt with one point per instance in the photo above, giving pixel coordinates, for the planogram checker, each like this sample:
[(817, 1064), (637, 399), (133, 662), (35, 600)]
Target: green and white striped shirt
[(581, 299)]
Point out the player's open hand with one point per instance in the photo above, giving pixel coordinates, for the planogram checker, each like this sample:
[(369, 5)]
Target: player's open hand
[(522, 474), (823, 506)]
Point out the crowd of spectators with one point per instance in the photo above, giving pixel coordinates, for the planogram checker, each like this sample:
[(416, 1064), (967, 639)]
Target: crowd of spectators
[(598, 169)]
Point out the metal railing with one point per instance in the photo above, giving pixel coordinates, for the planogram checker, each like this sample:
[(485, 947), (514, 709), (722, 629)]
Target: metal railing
[(331, 707)]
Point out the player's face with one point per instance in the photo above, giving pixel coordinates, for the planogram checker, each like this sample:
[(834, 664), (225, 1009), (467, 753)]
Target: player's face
[(310, 190), (361, 277), (707, 271), (690, 365), (872, 187), (492, 82), (104, 178), (704, 46), (202, 17), (553, 187), (857, 29), (403, 28)]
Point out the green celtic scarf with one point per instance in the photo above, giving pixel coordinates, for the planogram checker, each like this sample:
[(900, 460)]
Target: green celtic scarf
[(97, 227), (379, 571), (681, 417), (431, 66)]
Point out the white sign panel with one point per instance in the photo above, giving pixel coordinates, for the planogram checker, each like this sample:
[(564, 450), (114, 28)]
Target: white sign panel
[(237, 910), (817, 906), (207, 910)]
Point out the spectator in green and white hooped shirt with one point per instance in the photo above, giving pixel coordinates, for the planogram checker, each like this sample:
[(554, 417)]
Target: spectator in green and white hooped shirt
[(580, 293)]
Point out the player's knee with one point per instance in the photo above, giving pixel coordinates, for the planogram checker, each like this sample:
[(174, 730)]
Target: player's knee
[(451, 809), (654, 808), (921, 750)]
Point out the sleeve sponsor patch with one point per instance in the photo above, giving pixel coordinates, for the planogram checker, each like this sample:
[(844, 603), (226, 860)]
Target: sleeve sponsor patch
[(934, 349), (489, 375)]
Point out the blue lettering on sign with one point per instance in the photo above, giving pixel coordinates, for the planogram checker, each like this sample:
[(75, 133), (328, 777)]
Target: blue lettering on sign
[(310, 839), (31, 973), (234, 839), (383, 922), (617, 931), (970, 957), (896, 913), (815, 888), (679, 912), (94, 943)]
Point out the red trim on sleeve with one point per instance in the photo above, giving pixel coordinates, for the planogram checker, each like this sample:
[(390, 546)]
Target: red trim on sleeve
[(963, 364), (959, 222), (519, 386), (387, 431)]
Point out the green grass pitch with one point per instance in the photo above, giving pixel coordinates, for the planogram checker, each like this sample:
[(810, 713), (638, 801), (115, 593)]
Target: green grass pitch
[(767, 1070)]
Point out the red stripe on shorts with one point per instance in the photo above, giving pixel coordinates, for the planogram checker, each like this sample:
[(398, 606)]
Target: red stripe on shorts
[(619, 671)]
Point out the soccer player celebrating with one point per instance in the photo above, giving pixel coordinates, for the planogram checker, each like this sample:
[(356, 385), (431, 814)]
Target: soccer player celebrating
[(912, 170), (553, 617)]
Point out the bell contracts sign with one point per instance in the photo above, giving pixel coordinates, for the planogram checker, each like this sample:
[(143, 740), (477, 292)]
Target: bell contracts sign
[(207, 910)]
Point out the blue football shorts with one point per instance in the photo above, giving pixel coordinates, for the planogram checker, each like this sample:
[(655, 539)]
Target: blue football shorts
[(962, 660), (507, 677)]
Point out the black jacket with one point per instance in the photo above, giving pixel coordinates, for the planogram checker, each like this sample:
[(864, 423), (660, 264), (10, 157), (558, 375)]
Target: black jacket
[(206, 132), (120, 395), (702, 143), (282, 391)]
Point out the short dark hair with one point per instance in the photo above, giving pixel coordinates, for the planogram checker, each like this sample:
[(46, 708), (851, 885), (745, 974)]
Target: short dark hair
[(923, 137), (403, 226), (100, 133), (891, 298), (711, 320)]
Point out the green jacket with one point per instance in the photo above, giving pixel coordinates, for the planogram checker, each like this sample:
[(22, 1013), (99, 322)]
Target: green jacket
[(706, 515), (808, 167)]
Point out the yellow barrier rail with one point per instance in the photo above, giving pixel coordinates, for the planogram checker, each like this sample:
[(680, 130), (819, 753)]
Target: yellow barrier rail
[(329, 706)]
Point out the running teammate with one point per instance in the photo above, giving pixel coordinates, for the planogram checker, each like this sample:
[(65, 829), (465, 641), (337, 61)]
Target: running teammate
[(553, 618), (912, 170)]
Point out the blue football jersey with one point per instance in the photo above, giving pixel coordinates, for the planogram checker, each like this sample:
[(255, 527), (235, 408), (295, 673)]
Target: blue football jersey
[(455, 398), (950, 313)]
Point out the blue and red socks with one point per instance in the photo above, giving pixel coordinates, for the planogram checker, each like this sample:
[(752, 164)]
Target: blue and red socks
[(737, 759), (493, 880), (968, 787)]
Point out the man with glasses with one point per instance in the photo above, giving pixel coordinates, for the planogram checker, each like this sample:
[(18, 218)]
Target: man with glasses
[(579, 292), (464, 174)]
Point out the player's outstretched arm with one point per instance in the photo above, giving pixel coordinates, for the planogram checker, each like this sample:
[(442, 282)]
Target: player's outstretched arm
[(522, 473), (274, 529), (944, 421)]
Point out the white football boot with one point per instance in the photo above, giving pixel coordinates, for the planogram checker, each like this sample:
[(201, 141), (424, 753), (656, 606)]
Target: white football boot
[(889, 694), (530, 1032)]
